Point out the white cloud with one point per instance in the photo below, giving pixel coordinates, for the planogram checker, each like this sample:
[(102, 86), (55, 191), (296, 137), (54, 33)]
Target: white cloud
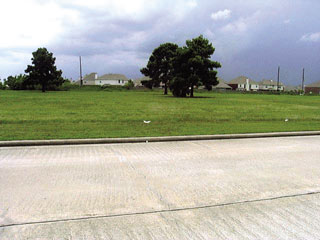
[(287, 21), (192, 3), (221, 15), (32, 24), (238, 26), (242, 24), (311, 37)]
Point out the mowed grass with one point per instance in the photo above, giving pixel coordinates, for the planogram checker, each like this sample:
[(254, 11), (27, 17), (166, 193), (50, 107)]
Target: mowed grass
[(109, 114)]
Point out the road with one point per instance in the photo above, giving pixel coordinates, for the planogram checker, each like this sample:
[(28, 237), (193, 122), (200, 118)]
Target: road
[(266, 188)]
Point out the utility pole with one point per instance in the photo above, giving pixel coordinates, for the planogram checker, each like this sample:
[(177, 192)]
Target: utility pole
[(302, 84), (81, 82), (278, 79)]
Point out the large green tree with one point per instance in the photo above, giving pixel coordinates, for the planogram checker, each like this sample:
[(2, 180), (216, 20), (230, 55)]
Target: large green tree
[(193, 67), (159, 67), (43, 70)]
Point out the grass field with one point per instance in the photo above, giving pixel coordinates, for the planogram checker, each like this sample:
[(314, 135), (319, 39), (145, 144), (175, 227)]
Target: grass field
[(100, 114)]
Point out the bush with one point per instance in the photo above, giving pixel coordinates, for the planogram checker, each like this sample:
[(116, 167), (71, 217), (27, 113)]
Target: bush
[(129, 85), (16, 82), (2, 86), (66, 86), (105, 86)]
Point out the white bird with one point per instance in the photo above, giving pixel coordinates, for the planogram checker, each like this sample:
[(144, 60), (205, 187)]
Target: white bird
[(286, 120), (146, 121)]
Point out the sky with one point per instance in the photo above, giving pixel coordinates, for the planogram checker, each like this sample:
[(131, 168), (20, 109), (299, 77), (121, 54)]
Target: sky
[(251, 38)]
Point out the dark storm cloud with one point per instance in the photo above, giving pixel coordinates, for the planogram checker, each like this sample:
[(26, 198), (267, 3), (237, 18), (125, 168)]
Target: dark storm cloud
[(251, 37)]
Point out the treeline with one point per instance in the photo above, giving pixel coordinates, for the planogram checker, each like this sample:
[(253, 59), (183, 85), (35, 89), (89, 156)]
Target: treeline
[(183, 68), (42, 74)]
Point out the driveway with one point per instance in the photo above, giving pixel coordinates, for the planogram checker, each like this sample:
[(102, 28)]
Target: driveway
[(266, 188)]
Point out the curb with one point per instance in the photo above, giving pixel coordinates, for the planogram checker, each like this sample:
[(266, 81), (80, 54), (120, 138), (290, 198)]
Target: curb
[(152, 139)]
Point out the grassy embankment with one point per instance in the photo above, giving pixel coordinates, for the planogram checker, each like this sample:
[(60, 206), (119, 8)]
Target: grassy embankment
[(100, 114)]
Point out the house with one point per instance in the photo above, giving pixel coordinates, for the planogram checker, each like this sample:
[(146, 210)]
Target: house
[(313, 88), (243, 83), (111, 79), (138, 82), (89, 79), (270, 85), (289, 88), (222, 86)]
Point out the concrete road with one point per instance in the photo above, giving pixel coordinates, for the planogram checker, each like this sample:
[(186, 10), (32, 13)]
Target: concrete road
[(228, 189)]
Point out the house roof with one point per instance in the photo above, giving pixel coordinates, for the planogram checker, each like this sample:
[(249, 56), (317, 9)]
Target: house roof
[(90, 77), (222, 85), (270, 82), (111, 76), (315, 84), (138, 80), (291, 88), (242, 80)]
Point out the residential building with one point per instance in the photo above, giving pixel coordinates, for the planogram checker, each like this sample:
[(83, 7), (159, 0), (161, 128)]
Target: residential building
[(137, 82), (111, 79), (243, 83), (270, 85), (90, 79), (289, 88), (313, 88), (222, 86)]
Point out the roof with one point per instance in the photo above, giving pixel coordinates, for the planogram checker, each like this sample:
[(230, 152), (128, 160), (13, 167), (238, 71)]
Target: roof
[(90, 77), (222, 85), (316, 84), (291, 88), (270, 82), (138, 80), (111, 76), (242, 80)]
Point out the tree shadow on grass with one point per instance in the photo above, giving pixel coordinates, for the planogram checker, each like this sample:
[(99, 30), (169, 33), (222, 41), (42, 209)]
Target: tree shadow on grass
[(170, 96)]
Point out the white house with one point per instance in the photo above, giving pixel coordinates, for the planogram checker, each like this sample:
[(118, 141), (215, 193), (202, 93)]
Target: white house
[(270, 85), (243, 83), (111, 79)]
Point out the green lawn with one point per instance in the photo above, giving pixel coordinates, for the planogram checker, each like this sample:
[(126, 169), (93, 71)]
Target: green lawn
[(100, 114)]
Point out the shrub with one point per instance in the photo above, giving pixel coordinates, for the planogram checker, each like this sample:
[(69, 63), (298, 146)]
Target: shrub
[(129, 85), (66, 86), (16, 82), (2, 86)]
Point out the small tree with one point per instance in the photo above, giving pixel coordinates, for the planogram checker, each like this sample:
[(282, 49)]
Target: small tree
[(159, 67), (43, 71)]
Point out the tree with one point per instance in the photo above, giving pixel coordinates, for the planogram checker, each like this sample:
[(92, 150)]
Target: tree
[(159, 66), (16, 82), (43, 71), (193, 67)]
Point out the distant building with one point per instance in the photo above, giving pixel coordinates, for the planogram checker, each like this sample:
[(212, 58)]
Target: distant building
[(270, 85), (313, 88), (289, 88), (138, 82), (222, 86), (90, 79), (111, 79), (243, 83)]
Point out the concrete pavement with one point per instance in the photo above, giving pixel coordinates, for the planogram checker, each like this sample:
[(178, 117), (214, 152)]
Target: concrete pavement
[(227, 189)]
